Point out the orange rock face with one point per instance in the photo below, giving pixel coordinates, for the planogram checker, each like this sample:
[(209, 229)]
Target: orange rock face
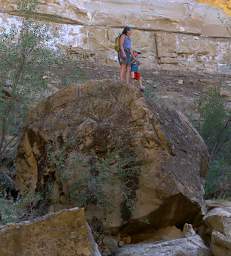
[(223, 4)]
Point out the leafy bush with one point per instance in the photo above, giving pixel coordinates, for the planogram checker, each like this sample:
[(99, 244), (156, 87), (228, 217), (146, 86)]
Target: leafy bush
[(216, 131), (94, 176), (214, 116), (218, 183), (22, 209), (24, 61)]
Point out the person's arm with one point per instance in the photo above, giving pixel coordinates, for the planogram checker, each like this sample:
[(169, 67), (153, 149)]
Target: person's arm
[(122, 45)]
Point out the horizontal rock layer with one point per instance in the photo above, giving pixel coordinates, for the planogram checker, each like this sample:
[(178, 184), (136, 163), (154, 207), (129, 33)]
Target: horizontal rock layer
[(171, 34)]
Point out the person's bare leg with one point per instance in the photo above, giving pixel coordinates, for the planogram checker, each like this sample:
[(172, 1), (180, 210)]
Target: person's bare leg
[(141, 84), (133, 78), (123, 72), (128, 74)]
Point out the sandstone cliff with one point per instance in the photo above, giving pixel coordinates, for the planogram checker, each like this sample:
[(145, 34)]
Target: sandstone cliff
[(171, 34)]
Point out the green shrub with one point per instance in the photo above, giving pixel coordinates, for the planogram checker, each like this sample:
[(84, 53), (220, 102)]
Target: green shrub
[(22, 209), (25, 59), (94, 176), (216, 130), (218, 182), (214, 116)]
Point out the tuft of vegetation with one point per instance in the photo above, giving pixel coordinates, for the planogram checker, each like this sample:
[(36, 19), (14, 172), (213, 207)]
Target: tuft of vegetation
[(24, 60), (216, 130), (22, 209), (29, 65), (29, 61), (95, 176)]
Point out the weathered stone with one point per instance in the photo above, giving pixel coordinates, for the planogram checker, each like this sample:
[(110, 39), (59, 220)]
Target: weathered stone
[(106, 119), (191, 246), (188, 230), (211, 204), (226, 92), (64, 233), (220, 244), (218, 220)]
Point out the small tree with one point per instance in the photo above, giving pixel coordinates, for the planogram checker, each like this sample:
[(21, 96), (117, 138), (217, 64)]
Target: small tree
[(216, 131), (215, 124), (25, 59)]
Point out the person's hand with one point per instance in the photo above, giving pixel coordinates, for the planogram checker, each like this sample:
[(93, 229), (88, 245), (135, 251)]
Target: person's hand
[(124, 55)]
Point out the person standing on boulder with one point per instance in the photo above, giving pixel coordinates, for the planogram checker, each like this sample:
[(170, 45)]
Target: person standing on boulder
[(125, 54)]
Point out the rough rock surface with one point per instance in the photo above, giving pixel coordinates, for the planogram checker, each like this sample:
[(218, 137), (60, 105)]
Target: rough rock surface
[(191, 246), (162, 161), (218, 221), (65, 233), (179, 34)]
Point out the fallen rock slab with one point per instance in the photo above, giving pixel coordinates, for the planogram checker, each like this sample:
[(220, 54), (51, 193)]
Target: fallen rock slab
[(65, 233), (191, 246)]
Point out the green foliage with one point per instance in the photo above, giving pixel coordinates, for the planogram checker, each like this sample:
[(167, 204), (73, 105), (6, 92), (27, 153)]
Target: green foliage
[(27, 5), (21, 209), (218, 183), (25, 59), (8, 211), (216, 131), (28, 204), (214, 116), (94, 176)]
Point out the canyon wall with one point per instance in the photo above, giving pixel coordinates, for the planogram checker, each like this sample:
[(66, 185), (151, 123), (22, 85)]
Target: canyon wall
[(189, 34)]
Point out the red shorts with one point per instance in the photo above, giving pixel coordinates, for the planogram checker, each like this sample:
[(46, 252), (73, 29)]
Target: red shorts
[(137, 75)]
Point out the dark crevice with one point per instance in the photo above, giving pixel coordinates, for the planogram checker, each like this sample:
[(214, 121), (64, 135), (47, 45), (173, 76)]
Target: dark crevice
[(175, 211)]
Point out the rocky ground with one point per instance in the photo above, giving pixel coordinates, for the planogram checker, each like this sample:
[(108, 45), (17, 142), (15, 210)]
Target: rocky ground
[(180, 90), (174, 224), (136, 166)]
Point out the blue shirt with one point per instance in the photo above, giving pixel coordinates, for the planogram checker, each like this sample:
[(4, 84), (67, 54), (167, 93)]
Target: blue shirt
[(127, 43), (135, 67)]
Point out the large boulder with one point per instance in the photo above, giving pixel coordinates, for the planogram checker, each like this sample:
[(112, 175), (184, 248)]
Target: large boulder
[(190, 246), (65, 233), (103, 147)]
